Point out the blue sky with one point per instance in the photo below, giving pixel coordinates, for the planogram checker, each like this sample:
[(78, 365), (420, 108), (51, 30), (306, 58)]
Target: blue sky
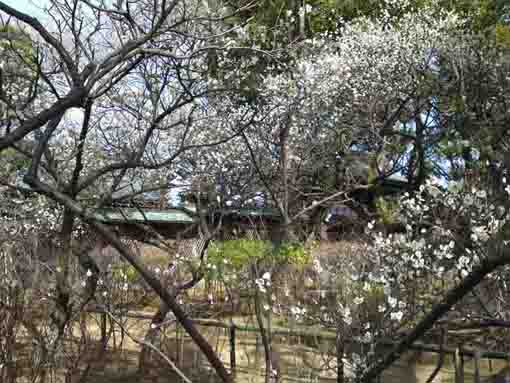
[(30, 7)]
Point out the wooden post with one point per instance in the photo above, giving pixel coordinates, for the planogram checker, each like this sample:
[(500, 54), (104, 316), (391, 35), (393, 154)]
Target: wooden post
[(440, 360), (459, 366), (177, 346), (339, 351), (112, 327), (232, 338), (181, 345), (196, 359), (103, 330), (477, 367), (257, 348)]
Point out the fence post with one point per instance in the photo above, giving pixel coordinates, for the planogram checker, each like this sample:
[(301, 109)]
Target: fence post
[(177, 345), (232, 338), (477, 367), (257, 347), (103, 330), (459, 366)]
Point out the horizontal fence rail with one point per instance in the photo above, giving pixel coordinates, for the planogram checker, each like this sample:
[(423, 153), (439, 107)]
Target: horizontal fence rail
[(317, 334)]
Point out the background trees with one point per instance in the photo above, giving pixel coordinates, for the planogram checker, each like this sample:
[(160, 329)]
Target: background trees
[(109, 101), (122, 94)]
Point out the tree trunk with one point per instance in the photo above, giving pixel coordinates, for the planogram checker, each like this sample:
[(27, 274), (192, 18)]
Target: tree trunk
[(63, 314), (148, 277)]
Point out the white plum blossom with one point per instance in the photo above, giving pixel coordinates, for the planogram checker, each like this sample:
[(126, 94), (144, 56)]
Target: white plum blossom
[(345, 311), (261, 284), (358, 300), (298, 312), (317, 266)]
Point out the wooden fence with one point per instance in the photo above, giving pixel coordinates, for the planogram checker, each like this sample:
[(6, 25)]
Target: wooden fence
[(232, 331)]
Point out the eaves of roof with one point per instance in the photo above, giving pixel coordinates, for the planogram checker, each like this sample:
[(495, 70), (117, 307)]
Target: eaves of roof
[(134, 215), (183, 216)]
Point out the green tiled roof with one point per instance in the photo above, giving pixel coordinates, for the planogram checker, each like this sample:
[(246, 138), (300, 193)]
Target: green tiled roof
[(131, 215), (134, 215)]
